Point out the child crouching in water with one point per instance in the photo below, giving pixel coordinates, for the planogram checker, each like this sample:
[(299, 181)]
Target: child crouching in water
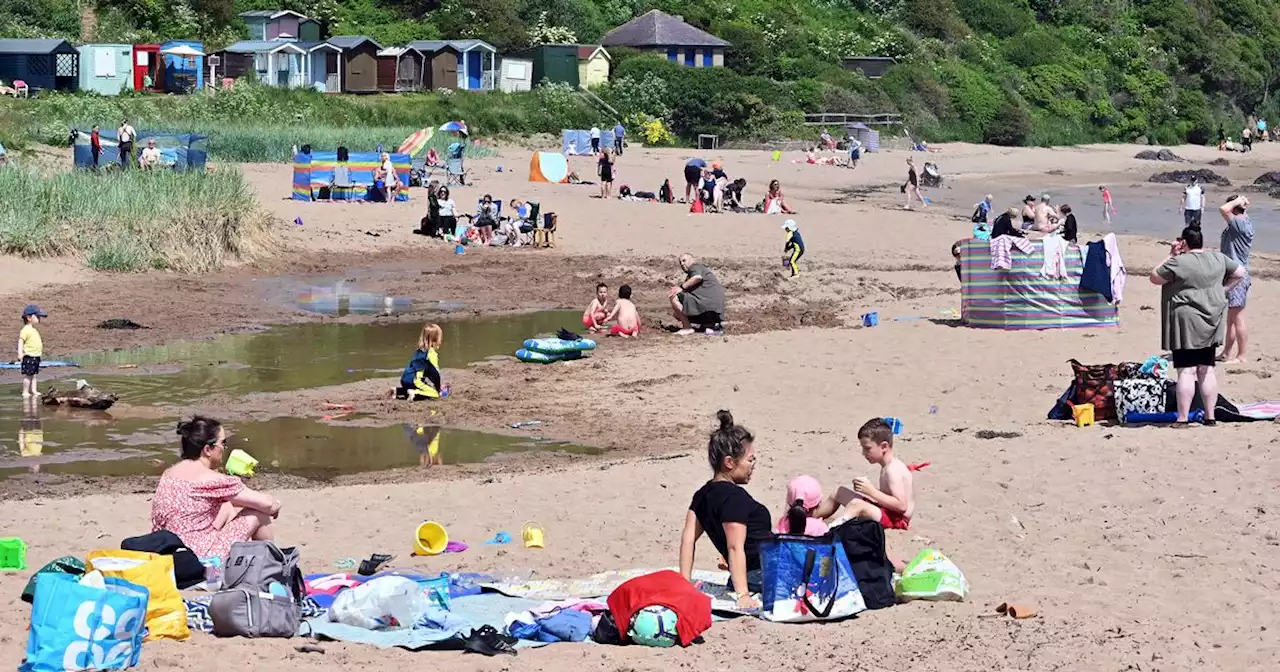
[(596, 314), (804, 495), (421, 378)]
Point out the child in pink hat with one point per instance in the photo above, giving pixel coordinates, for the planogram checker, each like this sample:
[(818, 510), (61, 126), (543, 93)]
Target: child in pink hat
[(804, 494)]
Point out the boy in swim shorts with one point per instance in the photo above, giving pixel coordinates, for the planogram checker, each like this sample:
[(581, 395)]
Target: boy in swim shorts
[(625, 312), (594, 317), (893, 502)]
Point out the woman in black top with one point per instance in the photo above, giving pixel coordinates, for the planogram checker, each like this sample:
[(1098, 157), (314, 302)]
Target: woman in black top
[(912, 187), (1028, 211), (726, 513), (606, 174), (1003, 226), (1069, 230)]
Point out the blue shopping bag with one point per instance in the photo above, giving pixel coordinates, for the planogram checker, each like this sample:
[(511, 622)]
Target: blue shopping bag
[(807, 579), (79, 627)]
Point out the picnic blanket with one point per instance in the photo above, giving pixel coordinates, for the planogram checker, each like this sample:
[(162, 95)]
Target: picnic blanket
[(438, 629), (712, 584)]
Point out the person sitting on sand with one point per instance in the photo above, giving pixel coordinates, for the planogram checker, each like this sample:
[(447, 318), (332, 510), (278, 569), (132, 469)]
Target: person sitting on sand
[(421, 378), (150, 157), (982, 211), (828, 142), (628, 318), (1028, 212), (723, 510), (774, 203), (1046, 216), (485, 219), (433, 157), (699, 299), (804, 496), (209, 510), (1003, 225), (594, 317), (1070, 229), (892, 503)]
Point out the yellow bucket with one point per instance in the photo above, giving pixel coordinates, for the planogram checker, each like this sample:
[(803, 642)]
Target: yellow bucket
[(240, 463), (777, 155), (533, 535), (431, 539), (1083, 414)]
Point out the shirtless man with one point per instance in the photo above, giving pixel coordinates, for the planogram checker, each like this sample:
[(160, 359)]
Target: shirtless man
[(595, 316), (626, 314), (892, 503), (1046, 216)]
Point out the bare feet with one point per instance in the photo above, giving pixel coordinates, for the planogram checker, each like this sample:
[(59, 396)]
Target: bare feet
[(686, 332), (1233, 360)]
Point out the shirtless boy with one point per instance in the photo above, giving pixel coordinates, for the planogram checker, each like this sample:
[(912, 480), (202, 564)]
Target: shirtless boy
[(893, 502), (626, 314), (594, 317)]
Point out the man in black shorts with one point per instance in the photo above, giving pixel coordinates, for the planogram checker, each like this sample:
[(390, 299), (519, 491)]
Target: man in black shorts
[(698, 301), (693, 177)]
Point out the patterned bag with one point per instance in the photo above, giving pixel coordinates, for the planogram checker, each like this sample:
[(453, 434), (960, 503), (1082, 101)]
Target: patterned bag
[(80, 627), (1141, 395), (807, 579), (1095, 385)]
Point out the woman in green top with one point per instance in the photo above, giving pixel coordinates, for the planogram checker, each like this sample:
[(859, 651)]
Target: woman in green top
[(1193, 309)]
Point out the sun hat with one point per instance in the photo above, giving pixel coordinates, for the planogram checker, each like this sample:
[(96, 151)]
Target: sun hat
[(33, 309), (789, 225), (1044, 197), (806, 489), (1029, 198)]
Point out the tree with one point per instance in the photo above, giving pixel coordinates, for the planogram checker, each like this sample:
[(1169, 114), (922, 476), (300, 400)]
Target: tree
[(1011, 126)]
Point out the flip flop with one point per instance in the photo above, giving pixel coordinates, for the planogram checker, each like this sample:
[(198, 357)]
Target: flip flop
[(370, 567), (499, 539), (1018, 611)]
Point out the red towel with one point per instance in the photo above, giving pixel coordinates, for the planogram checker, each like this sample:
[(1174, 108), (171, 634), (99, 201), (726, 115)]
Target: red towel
[(668, 589)]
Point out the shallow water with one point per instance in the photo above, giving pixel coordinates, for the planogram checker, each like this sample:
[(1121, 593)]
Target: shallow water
[(303, 356), (96, 445), (280, 359)]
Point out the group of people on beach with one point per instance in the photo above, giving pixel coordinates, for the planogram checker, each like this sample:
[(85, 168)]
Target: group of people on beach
[(736, 524), (697, 303)]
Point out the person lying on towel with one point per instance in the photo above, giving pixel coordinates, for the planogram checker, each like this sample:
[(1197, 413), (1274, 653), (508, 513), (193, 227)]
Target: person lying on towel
[(421, 378)]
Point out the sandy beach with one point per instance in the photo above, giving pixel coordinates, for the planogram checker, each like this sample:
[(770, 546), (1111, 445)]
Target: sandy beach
[(1144, 548)]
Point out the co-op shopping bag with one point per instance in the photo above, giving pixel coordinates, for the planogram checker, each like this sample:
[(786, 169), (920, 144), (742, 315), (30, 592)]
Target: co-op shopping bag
[(807, 579), (166, 613), (82, 627), (931, 576)]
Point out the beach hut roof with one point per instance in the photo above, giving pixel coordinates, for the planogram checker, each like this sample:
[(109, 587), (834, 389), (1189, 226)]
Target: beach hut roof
[(258, 47), (659, 29), (313, 46), (398, 51), (352, 41), (18, 46), (587, 52), (271, 14), (461, 46)]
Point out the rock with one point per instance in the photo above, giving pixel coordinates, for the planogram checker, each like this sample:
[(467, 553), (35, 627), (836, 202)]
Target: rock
[(1268, 180), (1205, 176), (1153, 155), (1219, 162)]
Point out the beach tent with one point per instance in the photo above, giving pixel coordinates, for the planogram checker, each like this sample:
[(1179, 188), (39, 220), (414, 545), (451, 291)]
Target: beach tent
[(548, 167), (314, 171), (182, 151), (1022, 298), (417, 143), (579, 142)]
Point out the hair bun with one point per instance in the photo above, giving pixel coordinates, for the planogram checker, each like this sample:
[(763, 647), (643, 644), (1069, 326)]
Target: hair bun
[(725, 418), (184, 427)]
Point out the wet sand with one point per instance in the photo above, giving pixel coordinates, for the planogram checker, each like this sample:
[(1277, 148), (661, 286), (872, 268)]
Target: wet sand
[(1144, 548)]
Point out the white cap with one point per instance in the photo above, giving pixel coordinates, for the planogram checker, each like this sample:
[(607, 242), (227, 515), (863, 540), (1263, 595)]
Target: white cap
[(789, 225)]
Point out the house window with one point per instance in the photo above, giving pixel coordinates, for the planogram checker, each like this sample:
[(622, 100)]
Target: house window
[(672, 54), (708, 58), (689, 55)]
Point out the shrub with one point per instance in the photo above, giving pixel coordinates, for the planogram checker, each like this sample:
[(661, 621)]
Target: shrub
[(1011, 126)]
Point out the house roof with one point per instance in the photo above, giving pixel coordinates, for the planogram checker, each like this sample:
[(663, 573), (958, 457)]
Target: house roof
[(398, 51), (352, 41), (271, 14), (34, 46), (258, 47), (658, 29), (587, 52), (432, 46), (312, 46)]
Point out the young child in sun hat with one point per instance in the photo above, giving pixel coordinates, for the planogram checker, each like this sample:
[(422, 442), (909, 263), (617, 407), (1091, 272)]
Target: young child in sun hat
[(793, 249), (30, 349), (804, 494)]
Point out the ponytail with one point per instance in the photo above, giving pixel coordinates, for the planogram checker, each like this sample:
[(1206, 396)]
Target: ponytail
[(797, 517)]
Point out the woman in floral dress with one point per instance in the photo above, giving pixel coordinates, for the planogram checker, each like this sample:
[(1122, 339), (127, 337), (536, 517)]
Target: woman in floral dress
[(209, 510)]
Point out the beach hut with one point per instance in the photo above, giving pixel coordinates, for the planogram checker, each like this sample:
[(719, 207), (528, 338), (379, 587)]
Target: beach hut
[(41, 64), (183, 66), (358, 63), (593, 65), (400, 69), (323, 66), (147, 62), (274, 63), (515, 74), (280, 24), (679, 42), (107, 69), (441, 68), (477, 61), (553, 63)]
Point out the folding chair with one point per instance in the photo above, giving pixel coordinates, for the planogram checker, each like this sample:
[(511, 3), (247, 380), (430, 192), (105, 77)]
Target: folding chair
[(341, 182), (454, 174)]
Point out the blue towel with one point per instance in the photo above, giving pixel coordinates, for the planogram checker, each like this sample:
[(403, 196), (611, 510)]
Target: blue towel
[(567, 626), (1096, 276)]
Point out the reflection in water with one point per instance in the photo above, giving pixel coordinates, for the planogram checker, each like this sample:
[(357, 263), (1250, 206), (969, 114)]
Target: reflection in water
[(296, 446), (341, 301), (31, 432), (310, 355)]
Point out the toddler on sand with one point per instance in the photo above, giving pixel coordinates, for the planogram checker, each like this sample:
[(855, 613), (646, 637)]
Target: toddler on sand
[(596, 314), (626, 314), (30, 349), (804, 495)]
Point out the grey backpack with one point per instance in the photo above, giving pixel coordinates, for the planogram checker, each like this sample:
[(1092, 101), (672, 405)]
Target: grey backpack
[(262, 592)]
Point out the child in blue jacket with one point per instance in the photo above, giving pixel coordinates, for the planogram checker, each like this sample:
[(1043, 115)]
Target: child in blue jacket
[(421, 378)]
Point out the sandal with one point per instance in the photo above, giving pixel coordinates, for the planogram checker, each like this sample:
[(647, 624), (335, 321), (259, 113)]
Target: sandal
[(370, 567)]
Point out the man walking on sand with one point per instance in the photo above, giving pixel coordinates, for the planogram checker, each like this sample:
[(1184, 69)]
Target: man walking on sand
[(1192, 204), (125, 135)]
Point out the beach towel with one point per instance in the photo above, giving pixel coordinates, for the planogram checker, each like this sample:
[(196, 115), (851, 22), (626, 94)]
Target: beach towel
[(436, 630)]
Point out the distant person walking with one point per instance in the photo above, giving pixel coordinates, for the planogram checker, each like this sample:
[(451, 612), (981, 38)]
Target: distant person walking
[(1192, 204), (1108, 209), (855, 152), (912, 187), (95, 145), (619, 134), (1237, 245), (595, 139), (126, 135)]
